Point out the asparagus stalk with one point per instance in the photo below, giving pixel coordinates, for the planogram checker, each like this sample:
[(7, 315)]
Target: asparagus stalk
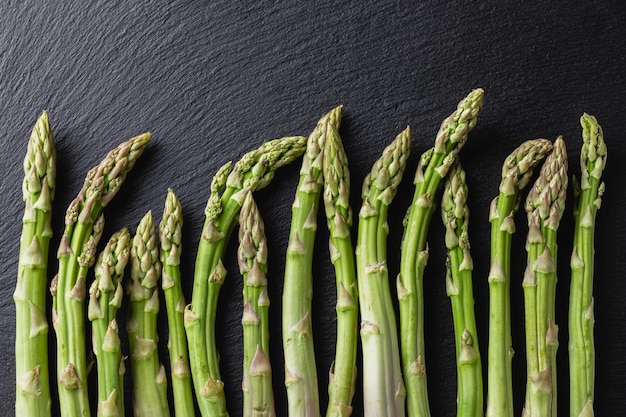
[(342, 378), (32, 393), (300, 367), (83, 228), (254, 171), (459, 287), (544, 208), (170, 233), (580, 318), (105, 299), (383, 388), (148, 375), (258, 395), (433, 167), (516, 173)]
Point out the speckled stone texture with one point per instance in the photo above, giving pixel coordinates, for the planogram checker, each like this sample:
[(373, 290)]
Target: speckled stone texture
[(212, 80)]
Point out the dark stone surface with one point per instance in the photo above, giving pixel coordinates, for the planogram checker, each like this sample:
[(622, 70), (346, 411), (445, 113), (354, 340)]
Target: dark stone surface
[(212, 80)]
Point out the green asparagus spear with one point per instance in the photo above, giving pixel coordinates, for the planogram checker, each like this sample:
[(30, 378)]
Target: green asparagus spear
[(32, 393), (433, 167), (258, 394), (339, 220), (148, 374), (544, 208), (170, 233), (459, 288), (516, 173), (76, 254), (105, 298), (300, 367), (254, 171), (581, 319), (383, 388)]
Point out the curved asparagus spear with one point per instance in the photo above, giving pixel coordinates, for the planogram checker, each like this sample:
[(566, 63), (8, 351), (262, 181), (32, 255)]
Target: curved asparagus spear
[(433, 167), (258, 395), (170, 234), (544, 208), (300, 368), (580, 319), (105, 298), (148, 374), (516, 173), (254, 171), (383, 388), (32, 394), (83, 228), (459, 288), (339, 220)]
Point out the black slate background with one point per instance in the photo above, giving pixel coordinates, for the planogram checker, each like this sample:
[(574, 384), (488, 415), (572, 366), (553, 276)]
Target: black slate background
[(212, 80)]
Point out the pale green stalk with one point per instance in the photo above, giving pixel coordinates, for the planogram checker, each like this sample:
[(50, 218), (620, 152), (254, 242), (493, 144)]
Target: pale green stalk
[(581, 319), (254, 171), (297, 336), (516, 173), (433, 167), (105, 299), (258, 394), (343, 372), (384, 392), (32, 386), (170, 234), (76, 254), (148, 374), (459, 287), (544, 208)]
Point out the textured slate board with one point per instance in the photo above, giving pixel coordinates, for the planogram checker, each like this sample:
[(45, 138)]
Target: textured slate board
[(212, 80)]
